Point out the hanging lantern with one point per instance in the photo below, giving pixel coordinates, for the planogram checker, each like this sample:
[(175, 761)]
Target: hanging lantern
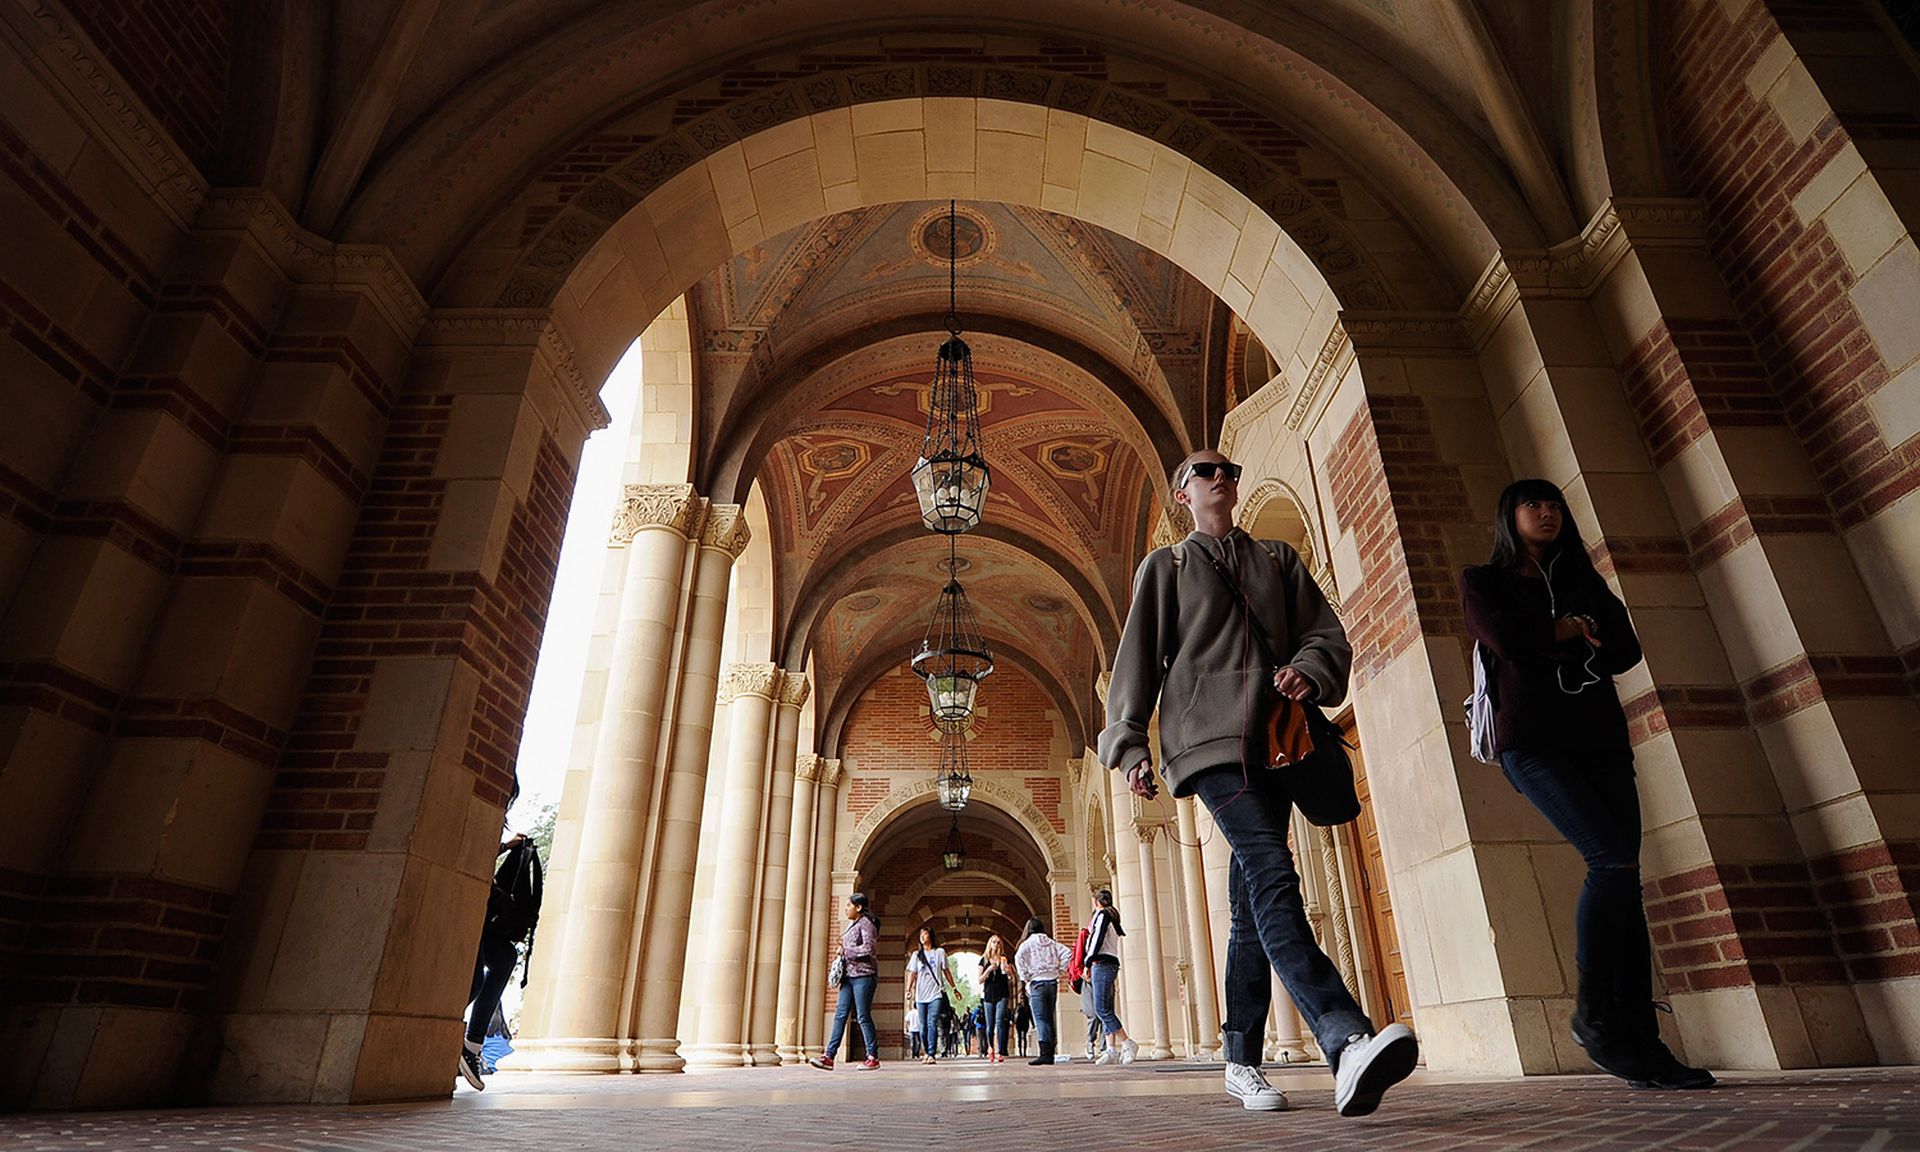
[(954, 783), (956, 853), (953, 656), (951, 477)]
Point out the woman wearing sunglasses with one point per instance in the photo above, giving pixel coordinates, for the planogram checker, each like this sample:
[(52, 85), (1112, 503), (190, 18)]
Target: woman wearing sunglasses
[(1190, 647)]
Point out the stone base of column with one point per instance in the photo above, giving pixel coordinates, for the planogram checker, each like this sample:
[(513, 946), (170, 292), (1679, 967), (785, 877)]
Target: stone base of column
[(1287, 1054), (791, 1054), (1154, 1050), (715, 1055), (590, 1054), (763, 1056), (658, 1056)]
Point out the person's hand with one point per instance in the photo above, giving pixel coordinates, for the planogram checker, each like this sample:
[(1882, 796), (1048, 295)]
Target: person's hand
[(1577, 628), (1291, 684), (1140, 780)]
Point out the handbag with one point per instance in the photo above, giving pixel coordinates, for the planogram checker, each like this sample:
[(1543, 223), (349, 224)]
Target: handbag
[(1300, 739), (837, 972)]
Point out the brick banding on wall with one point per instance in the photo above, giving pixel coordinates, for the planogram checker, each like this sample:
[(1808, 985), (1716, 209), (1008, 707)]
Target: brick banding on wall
[(127, 940), (176, 54)]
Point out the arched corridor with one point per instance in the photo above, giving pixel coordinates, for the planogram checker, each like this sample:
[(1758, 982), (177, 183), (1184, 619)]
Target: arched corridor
[(305, 344)]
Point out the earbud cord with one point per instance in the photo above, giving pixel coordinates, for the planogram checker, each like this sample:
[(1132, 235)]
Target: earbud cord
[(1590, 677)]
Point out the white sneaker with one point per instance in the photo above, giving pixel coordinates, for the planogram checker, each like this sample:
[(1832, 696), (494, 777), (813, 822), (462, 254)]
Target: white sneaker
[(1063, 1058), (1128, 1050), (1247, 1085), (1107, 1056), (1369, 1065)]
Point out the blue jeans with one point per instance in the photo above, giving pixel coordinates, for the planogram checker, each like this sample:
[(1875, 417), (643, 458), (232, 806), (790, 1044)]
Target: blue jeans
[(929, 1023), (1100, 978), (997, 1023), (1590, 799), (1044, 996), (1269, 922), (856, 992)]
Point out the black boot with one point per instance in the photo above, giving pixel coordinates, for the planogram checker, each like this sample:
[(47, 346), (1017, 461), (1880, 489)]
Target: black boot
[(1621, 1033), (1046, 1053)]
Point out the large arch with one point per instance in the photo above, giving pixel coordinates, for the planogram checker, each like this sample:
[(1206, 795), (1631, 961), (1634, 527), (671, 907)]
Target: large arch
[(986, 790)]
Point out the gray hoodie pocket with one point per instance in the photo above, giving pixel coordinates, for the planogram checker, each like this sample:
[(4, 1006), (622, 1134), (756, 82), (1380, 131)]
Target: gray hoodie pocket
[(1216, 706)]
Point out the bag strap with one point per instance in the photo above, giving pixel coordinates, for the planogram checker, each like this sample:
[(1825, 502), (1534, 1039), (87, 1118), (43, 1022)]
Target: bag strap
[(1259, 630)]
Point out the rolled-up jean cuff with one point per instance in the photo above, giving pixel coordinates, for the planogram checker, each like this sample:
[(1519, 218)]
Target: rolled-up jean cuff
[(1242, 1047)]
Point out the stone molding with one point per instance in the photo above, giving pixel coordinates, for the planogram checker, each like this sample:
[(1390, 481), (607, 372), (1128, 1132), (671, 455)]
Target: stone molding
[(1100, 685), (98, 95), (304, 258), (835, 769), (1015, 802), (670, 506), (1332, 351), (749, 680), (1404, 333), (794, 689), (1146, 832), (808, 766), (1174, 525), (726, 529), (521, 327)]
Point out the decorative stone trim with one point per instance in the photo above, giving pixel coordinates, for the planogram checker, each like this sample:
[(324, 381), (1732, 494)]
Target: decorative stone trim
[(520, 327), (670, 506), (305, 258), (794, 689), (1146, 832), (1011, 800), (807, 766), (726, 529), (1100, 685), (835, 769), (749, 680)]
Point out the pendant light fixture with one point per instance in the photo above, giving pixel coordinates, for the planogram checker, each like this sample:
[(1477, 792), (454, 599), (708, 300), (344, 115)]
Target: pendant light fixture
[(954, 783), (951, 477), (953, 658), (956, 852)]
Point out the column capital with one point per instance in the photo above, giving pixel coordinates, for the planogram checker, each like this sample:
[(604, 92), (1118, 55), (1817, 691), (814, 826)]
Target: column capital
[(1146, 832), (671, 506), (1101, 683), (748, 680), (830, 777), (726, 529), (794, 689), (808, 766)]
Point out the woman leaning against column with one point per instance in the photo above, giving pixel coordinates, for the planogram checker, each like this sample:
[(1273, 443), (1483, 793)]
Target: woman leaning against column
[(1557, 637)]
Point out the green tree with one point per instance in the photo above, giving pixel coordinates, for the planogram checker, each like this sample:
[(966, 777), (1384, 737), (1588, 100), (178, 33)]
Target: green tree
[(542, 832)]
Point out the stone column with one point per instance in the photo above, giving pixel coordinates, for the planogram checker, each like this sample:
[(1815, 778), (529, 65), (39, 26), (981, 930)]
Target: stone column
[(749, 689), (1157, 1048), (788, 1036), (584, 1026), (1283, 1023), (669, 910), (1201, 986), (1216, 858), (769, 937), (813, 980)]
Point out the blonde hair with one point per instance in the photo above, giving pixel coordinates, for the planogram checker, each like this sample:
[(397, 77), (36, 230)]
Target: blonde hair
[(995, 947)]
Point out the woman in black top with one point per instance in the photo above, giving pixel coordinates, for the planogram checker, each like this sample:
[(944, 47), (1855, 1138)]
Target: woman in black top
[(996, 985), (1558, 636)]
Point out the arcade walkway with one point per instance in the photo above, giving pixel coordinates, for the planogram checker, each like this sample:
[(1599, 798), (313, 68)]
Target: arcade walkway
[(966, 1105)]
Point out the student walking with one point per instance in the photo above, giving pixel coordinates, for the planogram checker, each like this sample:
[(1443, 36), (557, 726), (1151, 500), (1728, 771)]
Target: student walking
[(860, 973), (996, 991), (1553, 636), (1040, 960), (927, 984), (1022, 1024), (1204, 611), (513, 912), (1103, 970)]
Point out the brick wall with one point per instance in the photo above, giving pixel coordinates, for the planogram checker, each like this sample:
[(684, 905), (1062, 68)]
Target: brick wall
[(889, 730), (176, 55)]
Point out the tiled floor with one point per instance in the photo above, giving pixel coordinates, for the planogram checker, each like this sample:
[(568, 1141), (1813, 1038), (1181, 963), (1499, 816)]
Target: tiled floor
[(963, 1105)]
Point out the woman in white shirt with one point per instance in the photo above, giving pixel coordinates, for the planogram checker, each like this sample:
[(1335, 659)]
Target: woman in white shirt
[(927, 983), (1040, 959)]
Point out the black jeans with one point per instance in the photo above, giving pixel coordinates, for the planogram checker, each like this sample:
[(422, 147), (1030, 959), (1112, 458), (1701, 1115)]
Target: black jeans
[(1589, 797), (1269, 922), (491, 971)]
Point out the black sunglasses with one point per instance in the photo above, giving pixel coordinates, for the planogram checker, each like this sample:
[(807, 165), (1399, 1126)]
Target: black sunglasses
[(1206, 468)]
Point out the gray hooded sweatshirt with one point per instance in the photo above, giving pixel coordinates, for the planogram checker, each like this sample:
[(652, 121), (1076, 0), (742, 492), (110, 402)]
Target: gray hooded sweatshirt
[(1186, 650)]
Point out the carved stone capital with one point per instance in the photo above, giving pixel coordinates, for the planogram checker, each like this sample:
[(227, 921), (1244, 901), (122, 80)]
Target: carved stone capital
[(726, 528), (808, 766), (652, 506), (1146, 832), (830, 777), (1174, 526), (749, 680), (1100, 685), (794, 689)]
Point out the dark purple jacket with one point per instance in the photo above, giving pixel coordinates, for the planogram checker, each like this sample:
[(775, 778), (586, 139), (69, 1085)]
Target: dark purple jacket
[(1513, 616)]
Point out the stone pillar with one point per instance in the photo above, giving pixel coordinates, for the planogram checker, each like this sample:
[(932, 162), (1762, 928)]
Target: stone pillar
[(749, 689), (584, 1028), (1157, 1047), (1216, 859), (670, 906), (788, 1036), (1284, 1044), (820, 937), (1201, 987), (775, 861)]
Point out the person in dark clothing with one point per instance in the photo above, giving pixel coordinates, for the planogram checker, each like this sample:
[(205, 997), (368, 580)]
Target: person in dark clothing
[(1557, 636), (1022, 1024), (492, 968), (996, 992)]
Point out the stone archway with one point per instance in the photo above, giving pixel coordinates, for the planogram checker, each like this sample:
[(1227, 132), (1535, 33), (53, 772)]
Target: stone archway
[(1008, 800)]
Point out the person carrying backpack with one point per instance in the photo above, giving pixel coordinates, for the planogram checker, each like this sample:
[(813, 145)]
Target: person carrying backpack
[(513, 911), (1219, 626)]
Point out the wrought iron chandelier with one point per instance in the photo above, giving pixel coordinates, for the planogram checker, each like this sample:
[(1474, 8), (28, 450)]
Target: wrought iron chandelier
[(954, 783), (953, 657), (951, 477), (956, 852)]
